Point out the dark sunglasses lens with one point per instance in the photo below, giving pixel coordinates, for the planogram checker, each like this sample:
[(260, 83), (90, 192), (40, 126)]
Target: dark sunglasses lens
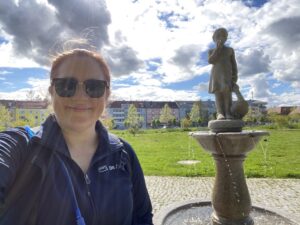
[(95, 88), (65, 87)]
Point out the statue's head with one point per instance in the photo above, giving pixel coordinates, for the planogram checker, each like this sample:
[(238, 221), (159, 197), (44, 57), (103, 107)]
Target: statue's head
[(220, 34)]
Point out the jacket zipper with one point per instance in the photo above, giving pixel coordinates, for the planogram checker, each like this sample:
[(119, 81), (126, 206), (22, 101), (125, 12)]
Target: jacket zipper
[(88, 182)]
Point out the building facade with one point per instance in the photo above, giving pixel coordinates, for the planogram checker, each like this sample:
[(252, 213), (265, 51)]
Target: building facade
[(118, 111), (258, 107), (151, 110), (281, 110), (26, 110)]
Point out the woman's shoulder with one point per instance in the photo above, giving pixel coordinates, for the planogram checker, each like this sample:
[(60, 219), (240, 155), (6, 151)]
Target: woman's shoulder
[(16, 135), (119, 142)]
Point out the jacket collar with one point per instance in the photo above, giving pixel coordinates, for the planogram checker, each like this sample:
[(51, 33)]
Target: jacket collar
[(50, 136)]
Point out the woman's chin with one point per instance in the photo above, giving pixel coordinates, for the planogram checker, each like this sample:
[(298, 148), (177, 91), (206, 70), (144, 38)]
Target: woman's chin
[(79, 124)]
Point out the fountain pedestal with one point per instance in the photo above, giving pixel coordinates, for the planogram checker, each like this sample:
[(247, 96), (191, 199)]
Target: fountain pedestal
[(230, 199), (231, 203)]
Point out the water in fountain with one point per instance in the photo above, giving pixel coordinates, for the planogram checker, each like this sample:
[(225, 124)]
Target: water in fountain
[(201, 215), (236, 194), (190, 160), (265, 154), (229, 151)]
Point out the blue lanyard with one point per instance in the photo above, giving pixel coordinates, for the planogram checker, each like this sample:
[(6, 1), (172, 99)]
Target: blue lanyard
[(79, 218)]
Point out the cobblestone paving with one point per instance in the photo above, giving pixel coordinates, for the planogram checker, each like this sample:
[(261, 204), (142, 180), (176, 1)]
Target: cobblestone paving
[(281, 195)]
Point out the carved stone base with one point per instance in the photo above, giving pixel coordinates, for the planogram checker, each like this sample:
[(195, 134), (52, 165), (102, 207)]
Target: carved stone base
[(219, 126)]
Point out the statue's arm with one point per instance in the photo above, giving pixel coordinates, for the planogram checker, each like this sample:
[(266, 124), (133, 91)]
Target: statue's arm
[(234, 67), (213, 55)]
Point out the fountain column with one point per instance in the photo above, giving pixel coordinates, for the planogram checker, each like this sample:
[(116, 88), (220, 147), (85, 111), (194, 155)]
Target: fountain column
[(231, 200)]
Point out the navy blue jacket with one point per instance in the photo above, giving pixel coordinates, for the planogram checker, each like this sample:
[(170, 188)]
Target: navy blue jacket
[(112, 192)]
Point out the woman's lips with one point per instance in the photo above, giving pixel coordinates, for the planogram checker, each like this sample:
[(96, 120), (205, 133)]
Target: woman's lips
[(79, 108)]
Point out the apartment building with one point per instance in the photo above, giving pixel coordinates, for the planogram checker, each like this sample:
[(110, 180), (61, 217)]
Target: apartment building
[(118, 110), (257, 107), (282, 110), (151, 110), (27, 109)]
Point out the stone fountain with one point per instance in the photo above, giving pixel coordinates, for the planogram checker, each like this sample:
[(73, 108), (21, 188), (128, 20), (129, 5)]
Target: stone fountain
[(229, 145)]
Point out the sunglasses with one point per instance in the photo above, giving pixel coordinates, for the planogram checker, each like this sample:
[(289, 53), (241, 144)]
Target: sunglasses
[(66, 87)]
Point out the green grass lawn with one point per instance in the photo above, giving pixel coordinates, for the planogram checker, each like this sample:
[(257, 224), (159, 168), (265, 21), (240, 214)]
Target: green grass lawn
[(159, 151)]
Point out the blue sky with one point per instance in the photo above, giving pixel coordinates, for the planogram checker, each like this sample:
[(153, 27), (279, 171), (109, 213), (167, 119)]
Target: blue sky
[(156, 50)]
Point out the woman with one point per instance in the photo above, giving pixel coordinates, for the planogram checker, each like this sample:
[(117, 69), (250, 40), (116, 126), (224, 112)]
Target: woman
[(72, 171)]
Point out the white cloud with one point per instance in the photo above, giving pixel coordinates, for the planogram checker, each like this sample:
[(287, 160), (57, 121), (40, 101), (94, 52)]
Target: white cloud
[(37, 38), (202, 87), (4, 72), (145, 79), (39, 89), (154, 93), (38, 83), (9, 59), (15, 95), (266, 41), (39, 86), (8, 83)]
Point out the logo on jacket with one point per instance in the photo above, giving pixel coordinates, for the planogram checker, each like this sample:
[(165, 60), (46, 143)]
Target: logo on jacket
[(105, 168), (102, 169)]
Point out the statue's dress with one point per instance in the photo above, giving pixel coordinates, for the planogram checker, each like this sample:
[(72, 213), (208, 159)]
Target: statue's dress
[(224, 70)]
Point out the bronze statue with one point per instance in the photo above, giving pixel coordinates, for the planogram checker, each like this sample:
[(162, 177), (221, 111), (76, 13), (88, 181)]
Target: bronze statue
[(223, 74)]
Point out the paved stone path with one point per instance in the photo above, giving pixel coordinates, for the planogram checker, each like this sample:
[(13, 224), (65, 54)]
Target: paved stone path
[(281, 195)]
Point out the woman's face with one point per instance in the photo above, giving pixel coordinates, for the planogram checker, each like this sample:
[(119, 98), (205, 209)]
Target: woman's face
[(80, 111)]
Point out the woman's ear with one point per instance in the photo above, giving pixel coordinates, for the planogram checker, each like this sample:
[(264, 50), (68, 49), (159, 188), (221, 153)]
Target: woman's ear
[(107, 94), (50, 90)]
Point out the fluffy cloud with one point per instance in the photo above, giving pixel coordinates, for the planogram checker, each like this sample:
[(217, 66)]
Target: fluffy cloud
[(202, 87), (130, 34), (253, 61), (38, 90), (287, 31), (34, 36), (122, 60), (9, 59), (152, 93)]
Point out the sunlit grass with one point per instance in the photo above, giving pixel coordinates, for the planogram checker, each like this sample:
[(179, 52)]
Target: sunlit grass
[(159, 151)]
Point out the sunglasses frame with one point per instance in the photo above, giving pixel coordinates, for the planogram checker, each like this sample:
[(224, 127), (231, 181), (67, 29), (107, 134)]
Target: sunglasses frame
[(54, 82)]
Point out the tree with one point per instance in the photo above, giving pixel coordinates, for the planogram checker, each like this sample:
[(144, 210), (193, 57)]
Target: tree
[(280, 120), (108, 122), (295, 115), (5, 118), (185, 123), (133, 120), (166, 115), (29, 120), (155, 123), (195, 114), (19, 122), (174, 122)]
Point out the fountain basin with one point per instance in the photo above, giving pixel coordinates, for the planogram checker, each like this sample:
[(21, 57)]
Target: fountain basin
[(231, 201), (197, 212), (228, 143)]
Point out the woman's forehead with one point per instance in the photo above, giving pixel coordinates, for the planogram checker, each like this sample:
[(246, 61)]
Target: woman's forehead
[(80, 66)]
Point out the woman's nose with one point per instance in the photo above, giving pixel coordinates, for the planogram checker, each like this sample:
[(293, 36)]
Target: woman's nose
[(80, 90)]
